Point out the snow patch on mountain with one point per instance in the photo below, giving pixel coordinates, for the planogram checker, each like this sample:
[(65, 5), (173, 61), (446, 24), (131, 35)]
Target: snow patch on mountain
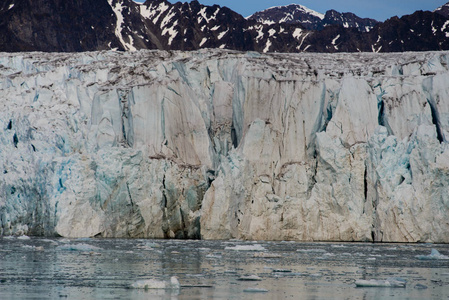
[(267, 46), (204, 16), (289, 16), (118, 9)]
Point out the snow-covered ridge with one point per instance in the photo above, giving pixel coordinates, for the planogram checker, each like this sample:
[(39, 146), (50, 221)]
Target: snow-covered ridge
[(443, 10), (296, 7), (309, 19), (118, 10), (223, 144), (159, 24)]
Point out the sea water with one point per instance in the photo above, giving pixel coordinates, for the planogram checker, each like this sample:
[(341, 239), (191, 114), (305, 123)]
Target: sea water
[(41, 268)]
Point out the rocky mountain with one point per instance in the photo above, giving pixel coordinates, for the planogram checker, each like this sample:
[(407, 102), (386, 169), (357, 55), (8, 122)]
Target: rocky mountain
[(82, 25), (290, 14), (312, 20), (221, 144), (443, 10)]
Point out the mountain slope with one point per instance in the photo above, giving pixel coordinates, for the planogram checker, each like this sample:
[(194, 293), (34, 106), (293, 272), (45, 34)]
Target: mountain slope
[(420, 31), (56, 25), (348, 20), (83, 25), (443, 10), (310, 19), (293, 13)]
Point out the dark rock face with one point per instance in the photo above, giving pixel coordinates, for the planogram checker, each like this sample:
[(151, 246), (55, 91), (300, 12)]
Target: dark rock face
[(421, 31), (84, 25), (56, 25), (309, 19), (443, 10), (290, 14), (348, 20)]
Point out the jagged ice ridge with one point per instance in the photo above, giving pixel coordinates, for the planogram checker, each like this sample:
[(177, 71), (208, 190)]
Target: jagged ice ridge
[(219, 144)]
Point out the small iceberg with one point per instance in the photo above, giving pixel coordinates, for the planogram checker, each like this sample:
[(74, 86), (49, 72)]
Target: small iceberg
[(420, 286), (434, 255), (266, 255), (282, 271), (255, 290), (395, 282), (250, 278), (79, 247), (150, 284), (255, 247), (311, 250), (23, 237)]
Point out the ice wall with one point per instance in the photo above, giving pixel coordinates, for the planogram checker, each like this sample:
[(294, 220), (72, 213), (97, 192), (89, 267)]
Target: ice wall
[(221, 144)]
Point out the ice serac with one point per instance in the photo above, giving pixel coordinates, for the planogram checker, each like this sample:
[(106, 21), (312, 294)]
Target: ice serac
[(219, 144)]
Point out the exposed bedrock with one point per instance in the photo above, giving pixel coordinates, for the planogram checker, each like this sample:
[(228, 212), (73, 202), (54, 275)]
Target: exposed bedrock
[(219, 144)]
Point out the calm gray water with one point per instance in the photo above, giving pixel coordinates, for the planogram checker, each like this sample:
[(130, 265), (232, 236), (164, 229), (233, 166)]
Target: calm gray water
[(40, 268)]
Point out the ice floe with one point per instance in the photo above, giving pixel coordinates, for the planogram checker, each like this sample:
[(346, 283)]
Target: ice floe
[(250, 278), (78, 247), (282, 271), (255, 290), (266, 255), (255, 247), (148, 284), (311, 250), (434, 255), (420, 286), (395, 282)]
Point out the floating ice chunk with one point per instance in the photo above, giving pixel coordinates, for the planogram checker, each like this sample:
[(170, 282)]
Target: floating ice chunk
[(390, 282), (23, 237), (215, 256), (434, 255), (49, 241), (311, 250), (149, 284), (91, 253), (326, 256), (282, 271), (420, 286), (255, 247), (255, 290), (78, 247), (35, 248), (250, 278), (338, 246), (266, 255)]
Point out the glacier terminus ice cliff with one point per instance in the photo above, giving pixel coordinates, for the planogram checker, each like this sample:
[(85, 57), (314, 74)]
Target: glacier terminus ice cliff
[(218, 144)]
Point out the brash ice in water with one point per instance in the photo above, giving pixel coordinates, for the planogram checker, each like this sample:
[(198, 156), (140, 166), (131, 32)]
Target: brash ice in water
[(173, 269)]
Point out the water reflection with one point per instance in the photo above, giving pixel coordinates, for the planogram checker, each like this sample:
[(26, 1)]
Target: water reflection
[(105, 269)]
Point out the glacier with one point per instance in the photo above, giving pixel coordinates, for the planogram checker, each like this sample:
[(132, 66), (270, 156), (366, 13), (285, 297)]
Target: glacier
[(219, 144)]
